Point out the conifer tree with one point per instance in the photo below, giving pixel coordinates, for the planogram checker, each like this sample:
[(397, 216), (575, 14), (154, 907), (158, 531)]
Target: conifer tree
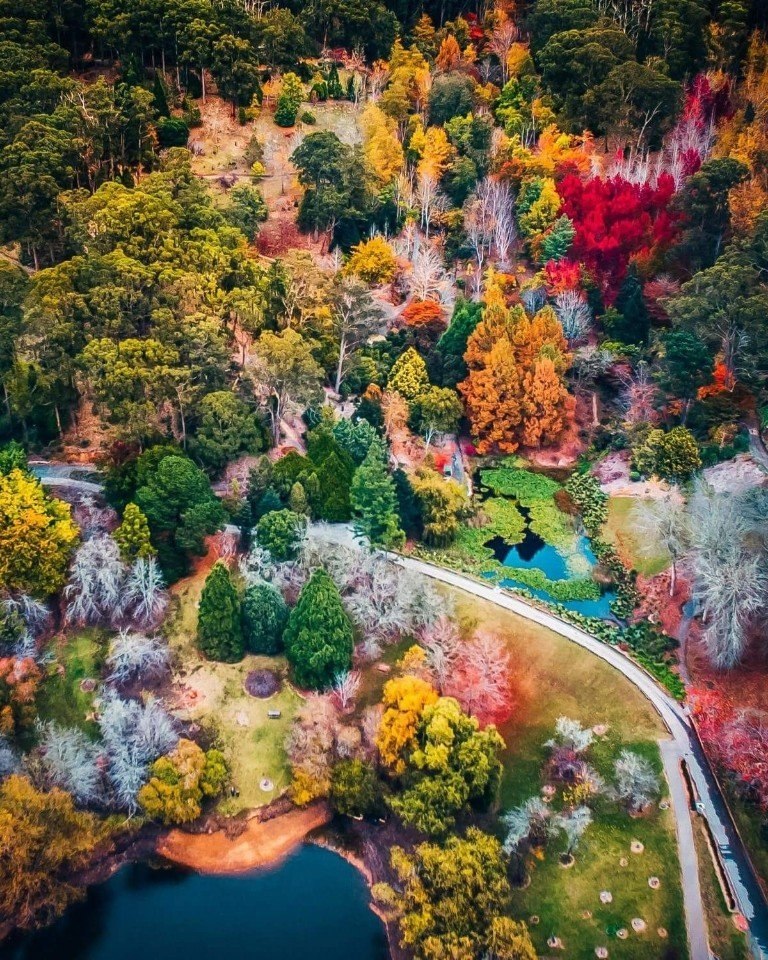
[(318, 639), (265, 615), (334, 479), (409, 376), (219, 633), (132, 536), (374, 500)]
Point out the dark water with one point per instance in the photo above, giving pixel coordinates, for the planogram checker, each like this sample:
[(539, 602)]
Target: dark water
[(314, 905)]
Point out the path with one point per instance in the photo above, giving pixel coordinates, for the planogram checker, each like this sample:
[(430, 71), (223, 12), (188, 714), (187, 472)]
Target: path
[(683, 745)]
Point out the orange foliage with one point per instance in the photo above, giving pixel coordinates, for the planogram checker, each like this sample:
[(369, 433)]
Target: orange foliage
[(546, 404), (421, 313), (722, 382), (19, 679), (449, 57), (492, 397)]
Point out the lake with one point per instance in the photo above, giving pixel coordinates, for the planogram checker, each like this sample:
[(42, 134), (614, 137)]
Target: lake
[(313, 905)]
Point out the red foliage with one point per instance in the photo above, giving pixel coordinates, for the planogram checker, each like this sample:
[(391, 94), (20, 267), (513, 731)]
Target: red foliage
[(423, 313), (615, 221), (737, 740), (481, 679), (561, 275), (722, 382)]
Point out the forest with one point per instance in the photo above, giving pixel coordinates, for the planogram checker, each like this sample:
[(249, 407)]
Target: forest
[(294, 296)]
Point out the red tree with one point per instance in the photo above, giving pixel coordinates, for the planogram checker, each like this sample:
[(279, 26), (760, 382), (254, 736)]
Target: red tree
[(616, 220)]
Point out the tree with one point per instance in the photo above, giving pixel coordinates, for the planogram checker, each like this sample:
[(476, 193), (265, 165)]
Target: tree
[(438, 410), (333, 175), (451, 764), (673, 455), (354, 317), (574, 314), (133, 536), (179, 782), (404, 700), (288, 373), (246, 210), (19, 681), (95, 591), (633, 323), (289, 100), (452, 900), (452, 345), (235, 69), (382, 150), (181, 510), (635, 99), (281, 533), (636, 781), (408, 376), (546, 404), (146, 598), (219, 632), (135, 657), (354, 789), (687, 365), (37, 536), (662, 523), (373, 261), (492, 398), (44, 840), (318, 638), (373, 499), (265, 616), (452, 95), (442, 503)]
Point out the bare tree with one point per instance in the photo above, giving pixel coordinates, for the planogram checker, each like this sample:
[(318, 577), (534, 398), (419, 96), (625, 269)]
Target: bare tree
[(442, 643), (145, 595), (427, 278), (636, 781), (134, 656), (481, 681), (71, 761), (574, 314), (639, 395), (9, 759), (571, 735), (573, 823), (355, 317), (531, 820), (95, 593), (502, 40), (430, 198), (533, 299), (346, 687), (662, 523)]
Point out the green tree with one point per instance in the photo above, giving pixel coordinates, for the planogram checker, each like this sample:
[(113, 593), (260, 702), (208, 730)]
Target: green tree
[(334, 477), (635, 100), (246, 210), (453, 900), (673, 455), (374, 500), (319, 639), (181, 510), (557, 241), (235, 69), (452, 345), (265, 615), (452, 764), (288, 372), (289, 100), (632, 324), (179, 781), (686, 365), (44, 842), (219, 631), (228, 428), (355, 789), (280, 532), (452, 95), (438, 410), (442, 504), (133, 536), (706, 210)]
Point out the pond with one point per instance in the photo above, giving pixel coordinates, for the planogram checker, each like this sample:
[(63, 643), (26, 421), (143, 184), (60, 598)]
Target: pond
[(314, 904)]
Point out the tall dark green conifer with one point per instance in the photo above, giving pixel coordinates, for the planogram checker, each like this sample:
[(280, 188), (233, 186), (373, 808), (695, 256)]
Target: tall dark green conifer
[(374, 500), (319, 639), (219, 631)]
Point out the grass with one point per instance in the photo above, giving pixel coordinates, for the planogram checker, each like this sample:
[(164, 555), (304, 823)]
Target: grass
[(62, 699), (253, 744), (619, 531), (726, 941), (555, 677)]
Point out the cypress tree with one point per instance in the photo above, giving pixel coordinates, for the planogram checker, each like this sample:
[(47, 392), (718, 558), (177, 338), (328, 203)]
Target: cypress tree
[(319, 639), (219, 633), (265, 615), (132, 536), (334, 478), (374, 500)]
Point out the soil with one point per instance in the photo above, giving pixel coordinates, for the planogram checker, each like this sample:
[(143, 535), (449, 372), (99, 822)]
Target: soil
[(262, 842)]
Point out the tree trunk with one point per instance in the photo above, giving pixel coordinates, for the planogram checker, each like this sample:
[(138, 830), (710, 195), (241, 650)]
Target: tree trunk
[(202, 80), (595, 418), (340, 367), (673, 578)]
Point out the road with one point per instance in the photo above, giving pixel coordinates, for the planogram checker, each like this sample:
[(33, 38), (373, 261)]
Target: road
[(681, 746)]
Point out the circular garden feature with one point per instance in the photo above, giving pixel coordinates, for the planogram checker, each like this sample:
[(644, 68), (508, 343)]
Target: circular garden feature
[(262, 683)]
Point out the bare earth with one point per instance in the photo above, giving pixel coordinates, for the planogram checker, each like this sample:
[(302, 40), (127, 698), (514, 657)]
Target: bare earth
[(261, 844)]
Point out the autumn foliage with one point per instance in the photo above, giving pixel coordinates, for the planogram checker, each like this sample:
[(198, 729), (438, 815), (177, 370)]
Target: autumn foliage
[(19, 680)]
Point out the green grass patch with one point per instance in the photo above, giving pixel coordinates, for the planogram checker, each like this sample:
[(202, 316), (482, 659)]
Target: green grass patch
[(76, 657), (619, 531), (726, 941)]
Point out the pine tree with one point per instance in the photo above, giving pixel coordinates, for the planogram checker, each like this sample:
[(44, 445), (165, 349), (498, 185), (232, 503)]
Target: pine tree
[(219, 633), (319, 639), (634, 324), (409, 376), (545, 404), (334, 479), (265, 615), (374, 500), (132, 536)]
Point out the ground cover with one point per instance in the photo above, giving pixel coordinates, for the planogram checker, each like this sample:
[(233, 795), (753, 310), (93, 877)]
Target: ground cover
[(205, 691), (64, 696), (619, 532), (553, 678)]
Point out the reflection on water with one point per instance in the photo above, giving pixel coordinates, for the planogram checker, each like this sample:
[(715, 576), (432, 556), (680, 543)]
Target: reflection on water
[(314, 905)]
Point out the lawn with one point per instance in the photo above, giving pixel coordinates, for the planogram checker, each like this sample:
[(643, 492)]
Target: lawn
[(555, 677), (213, 693), (619, 531), (76, 657)]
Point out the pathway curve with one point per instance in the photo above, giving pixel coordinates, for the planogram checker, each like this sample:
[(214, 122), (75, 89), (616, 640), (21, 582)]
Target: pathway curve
[(681, 748)]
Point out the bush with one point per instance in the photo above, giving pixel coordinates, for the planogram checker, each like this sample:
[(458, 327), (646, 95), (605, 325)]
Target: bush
[(172, 132), (673, 455), (309, 118), (280, 532)]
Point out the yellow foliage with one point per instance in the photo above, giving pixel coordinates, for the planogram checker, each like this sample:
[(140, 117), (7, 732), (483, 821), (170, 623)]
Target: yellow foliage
[(37, 536), (382, 150), (546, 404), (413, 661), (435, 154), (404, 701), (543, 212), (305, 788), (372, 261)]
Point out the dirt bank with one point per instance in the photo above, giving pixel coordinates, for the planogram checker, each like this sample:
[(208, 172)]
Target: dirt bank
[(262, 843)]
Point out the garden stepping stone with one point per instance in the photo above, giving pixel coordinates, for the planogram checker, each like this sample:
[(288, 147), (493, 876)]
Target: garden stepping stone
[(636, 846), (606, 896), (638, 924)]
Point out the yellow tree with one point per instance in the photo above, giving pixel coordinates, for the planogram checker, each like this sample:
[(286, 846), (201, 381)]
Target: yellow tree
[(538, 335), (435, 153), (404, 701), (37, 536), (382, 150), (546, 404)]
